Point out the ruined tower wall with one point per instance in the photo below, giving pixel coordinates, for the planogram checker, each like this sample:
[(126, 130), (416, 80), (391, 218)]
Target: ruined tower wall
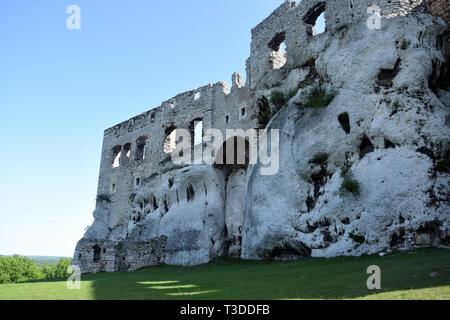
[(212, 104), (293, 24)]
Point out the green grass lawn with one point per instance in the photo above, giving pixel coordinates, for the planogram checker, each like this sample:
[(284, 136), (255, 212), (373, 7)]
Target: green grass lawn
[(404, 275)]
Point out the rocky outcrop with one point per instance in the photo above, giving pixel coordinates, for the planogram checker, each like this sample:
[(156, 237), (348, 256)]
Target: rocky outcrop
[(393, 137)]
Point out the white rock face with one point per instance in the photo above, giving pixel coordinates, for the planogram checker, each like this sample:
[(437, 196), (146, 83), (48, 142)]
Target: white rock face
[(190, 214), (302, 211), (235, 206)]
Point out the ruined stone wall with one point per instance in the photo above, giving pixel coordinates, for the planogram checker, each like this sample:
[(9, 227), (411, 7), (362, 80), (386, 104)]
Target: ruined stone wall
[(216, 105), (293, 23)]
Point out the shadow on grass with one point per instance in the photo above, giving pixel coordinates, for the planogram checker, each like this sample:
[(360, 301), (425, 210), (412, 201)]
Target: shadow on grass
[(336, 278)]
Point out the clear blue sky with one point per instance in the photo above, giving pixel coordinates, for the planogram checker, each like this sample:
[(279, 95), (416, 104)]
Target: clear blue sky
[(60, 88)]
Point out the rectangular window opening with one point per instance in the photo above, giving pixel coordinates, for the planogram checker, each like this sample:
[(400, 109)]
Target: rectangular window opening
[(137, 182)]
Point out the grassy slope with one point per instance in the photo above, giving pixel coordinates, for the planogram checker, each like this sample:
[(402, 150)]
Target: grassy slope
[(405, 275)]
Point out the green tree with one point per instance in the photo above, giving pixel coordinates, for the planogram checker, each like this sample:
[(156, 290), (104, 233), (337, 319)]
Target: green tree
[(19, 269)]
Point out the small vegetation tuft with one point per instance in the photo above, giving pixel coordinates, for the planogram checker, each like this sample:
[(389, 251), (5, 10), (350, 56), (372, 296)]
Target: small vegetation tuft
[(318, 98), (442, 166), (305, 83), (320, 158), (405, 44), (291, 95), (357, 238), (349, 184), (278, 99), (166, 159), (119, 246)]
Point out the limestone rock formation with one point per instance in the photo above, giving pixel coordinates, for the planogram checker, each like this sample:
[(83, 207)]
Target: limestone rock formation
[(364, 150)]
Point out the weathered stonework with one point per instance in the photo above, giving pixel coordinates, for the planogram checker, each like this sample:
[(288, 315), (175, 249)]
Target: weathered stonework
[(388, 122), (441, 8)]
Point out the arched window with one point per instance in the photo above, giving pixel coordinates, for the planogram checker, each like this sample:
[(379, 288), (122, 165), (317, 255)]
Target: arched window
[(315, 19), (278, 50), (198, 132)]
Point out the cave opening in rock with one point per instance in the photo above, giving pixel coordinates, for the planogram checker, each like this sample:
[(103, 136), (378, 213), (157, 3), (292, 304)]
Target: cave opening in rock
[(190, 193), (386, 76), (365, 147), (344, 120), (233, 155), (141, 144)]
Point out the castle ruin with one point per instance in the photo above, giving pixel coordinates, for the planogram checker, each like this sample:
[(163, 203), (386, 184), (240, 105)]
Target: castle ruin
[(151, 211)]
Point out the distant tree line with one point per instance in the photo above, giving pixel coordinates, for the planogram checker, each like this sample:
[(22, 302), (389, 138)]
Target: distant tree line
[(20, 269)]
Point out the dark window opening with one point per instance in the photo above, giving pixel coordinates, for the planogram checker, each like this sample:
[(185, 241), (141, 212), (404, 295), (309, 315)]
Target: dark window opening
[(344, 120), (242, 113), (154, 203), (365, 147), (166, 207), (126, 153), (140, 148), (97, 253), (127, 150)]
